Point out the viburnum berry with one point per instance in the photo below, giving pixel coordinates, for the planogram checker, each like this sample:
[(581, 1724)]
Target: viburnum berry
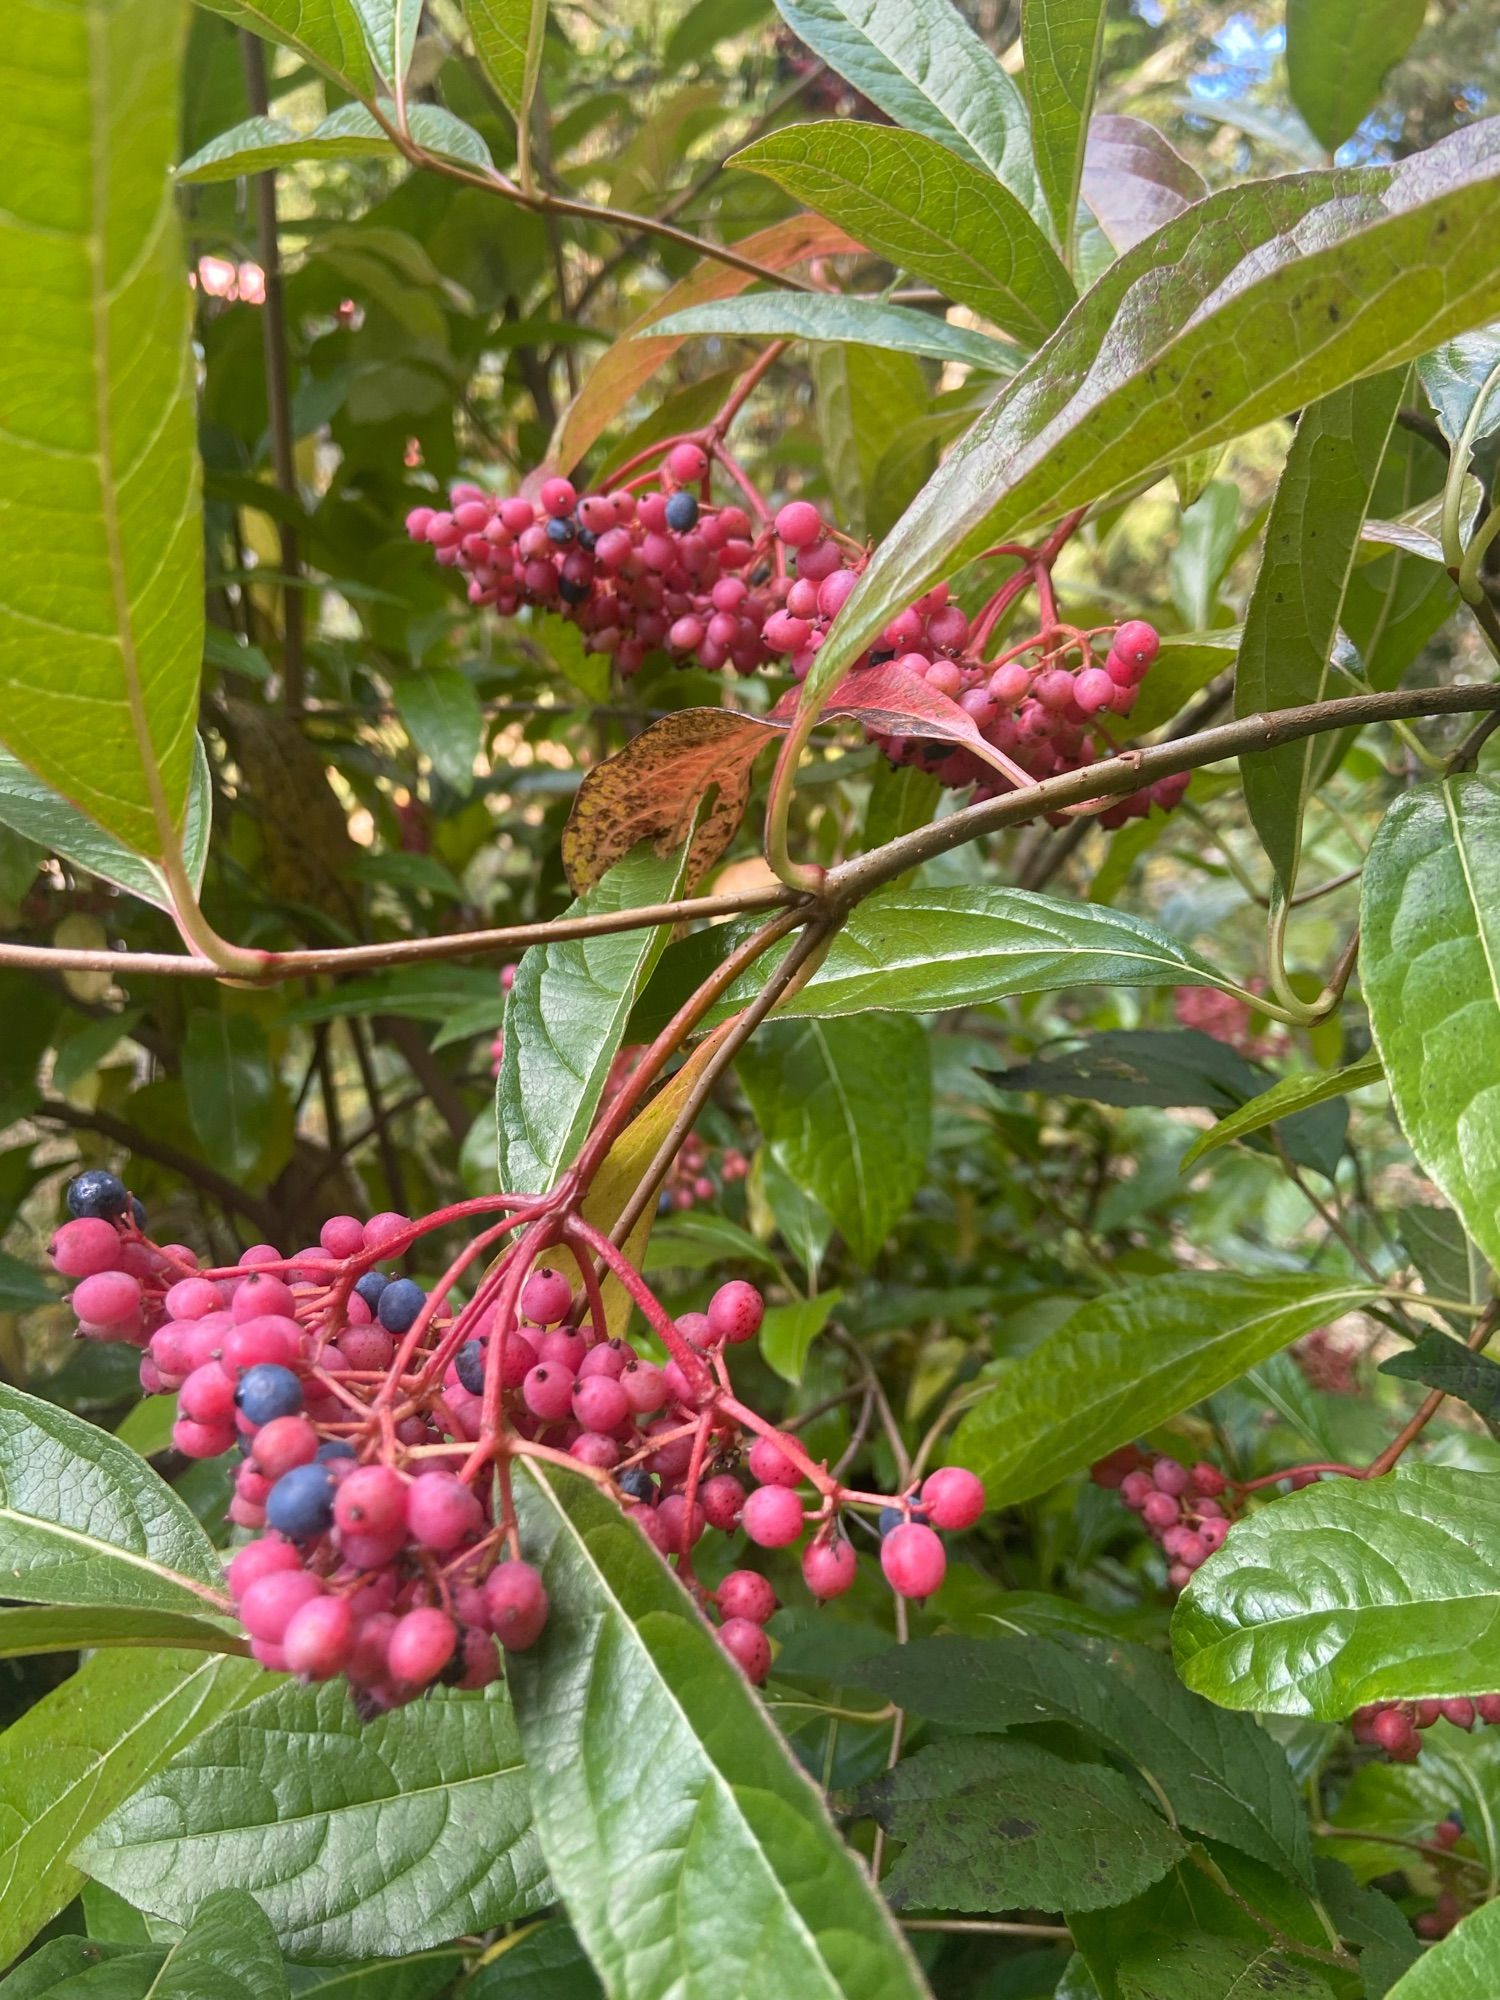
[(97, 1193), (545, 1297), (913, 1559), (517, 1601), (745, 1593), (301, 1502), (441, 1511), (735, 1313), (772, 1517), (749, 1648), (398, 1305), (953, 1498), (85, 1247), (318, 1639), (268, 1391), (829, 1566), (421, 1645)]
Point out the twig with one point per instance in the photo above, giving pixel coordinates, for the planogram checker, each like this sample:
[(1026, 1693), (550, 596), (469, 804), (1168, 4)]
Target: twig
[(196, 1172), (1478, 1335), (984, 1927), (390, 1159)]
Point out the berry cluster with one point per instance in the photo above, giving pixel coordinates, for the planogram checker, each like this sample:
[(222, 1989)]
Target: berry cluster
[(1449, 1908), (376, 1422), (1395, 1726), (1182, 1507), (666, 569)]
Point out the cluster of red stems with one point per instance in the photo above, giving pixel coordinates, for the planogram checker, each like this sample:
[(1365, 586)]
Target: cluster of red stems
[(651, 564), (379, 1422)]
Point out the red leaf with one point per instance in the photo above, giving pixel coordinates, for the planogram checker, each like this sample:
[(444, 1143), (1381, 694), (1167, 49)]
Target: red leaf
[(1133, 180)]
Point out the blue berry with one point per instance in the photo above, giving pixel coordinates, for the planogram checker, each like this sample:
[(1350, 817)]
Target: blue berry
[(137, 1212), (469, 1367), (268, 1391), (333, 1448), (571, 592), (892, 1517), (638, 1483), (300, 1504), (682, 512), (399, 1305), (587, 541), (559, 530), (370, 1286), (97, 1193)]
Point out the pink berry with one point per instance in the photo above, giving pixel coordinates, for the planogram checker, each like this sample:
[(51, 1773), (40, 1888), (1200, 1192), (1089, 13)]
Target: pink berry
[(441, 1511), (268, 1604), (770, 1465), (1093, 690), (417, 522), (952, 1498), (772, 1517), (722, 1499), (913, 1560), (319, 1638), (680, 1529), (372, 1501), (745, 1593), (85, 1248), (799, 524), (687, 463), (195, 1440), (735, 1313), (342, 1236), (610, 1358), (385, 1229), (258, 1559), (546, 1296), (1160, 1510), (1170, 1477), (746, 1644), (558, 497), (599, 1403), (517, 1601), (1137, 643), (1212, 1534), (1136, 1488), (1208, 1479), (108, 1298), (207, 1396), (565, 1347), (283, 1443), (548, 1392), (262, 1294), (829, 1568), (253, 1341), (421, 1646), (644, 1385), (371, 1552)]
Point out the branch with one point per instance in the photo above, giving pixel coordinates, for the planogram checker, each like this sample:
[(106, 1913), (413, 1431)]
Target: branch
[(54, 1111)]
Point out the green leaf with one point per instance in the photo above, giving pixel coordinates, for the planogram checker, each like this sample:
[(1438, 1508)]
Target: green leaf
[(1447, 1264), (80, 1968), (1428, 959), (230, 1084), (788, 1331), (914, 950), (545, 1962), (696, 1239), (445, 721), (920, 206), (1312, 539), (822, 316), (328, 33), (1373, 1923), (1220, 1773), (1062, 41), (83, 1748), (390, 33), (101, 564), (565, 1019), (422, 1975), (1126, 1362), (228, 1952), (263, 145), (1338, 53), (71, 1628), (1349, 1592), (1441, 1363), (1466, 1962), (34, 809), (992, 1826), (1253, 322), (1293, 1094), (847, 1109), (694, 1858), (356, 1839), (930, 73), (83, 1520), (1454, 376), (1145, 1962), (508, 37), (1205, 545)]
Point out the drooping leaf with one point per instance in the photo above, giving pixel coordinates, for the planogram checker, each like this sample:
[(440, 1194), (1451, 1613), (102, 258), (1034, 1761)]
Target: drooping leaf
[(1254, 321), (930, 73), (101, 600), (83, 1520), (1221, 1774), (847, 1108), (356, 1839), (1134, 180), (228, 1952), (1441, 1363), (693, 1857), (34, 809), (997, 1825), (788, 1331), (866, 397), (69, 1628), (508, 36), (819, 316), (1062, 41), (1369, 1920), (1349, 1592), (1428, 957), (919, 205), (1435, 1241), (1456, 375), (82, 1749), (445, 720), (263, 145), (1338, 53), (1126, 1362), (565, 1019), (1285, 1100), (328, 33), (226, 1071)]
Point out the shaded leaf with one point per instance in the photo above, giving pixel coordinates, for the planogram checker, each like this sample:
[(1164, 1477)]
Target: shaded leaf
[(422, 1975), (34, 809), (1441, 1363), (1337, 55), (80, 1968), (264, 145), (1133, 179), (816, 316), (788, 1331), (227, 1074), (1285, 1100), (1062, 42), (445, 721), (228, 1952), (1455, 375)]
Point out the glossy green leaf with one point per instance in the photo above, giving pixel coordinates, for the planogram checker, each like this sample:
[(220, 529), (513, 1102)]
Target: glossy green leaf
[(1221, 1774), (445, 721), (390, 33), (1205, 544), (83, 1520), (565, 1019), (34, 809), (1280, 292), (101, 600), (543, 1962), (228, 1952), (1337, 55), (1293, 618), (1062, 41), (825, 316), (1457, 374), (694, 1858), (1466, 1962), (1141, 1962), (1428, 959), (1438, 1362), (263, 145), (847, 1108), (990, 1826), (920, 206), (508, 38), (355, 1838), (226, 1071), (930, 73), (788, 1331), (328, 33), (1126, 1362), (1349, 1592), (70, 1628), (82, 1749), (1284, 1100), (421, 1975), (80, 1968)]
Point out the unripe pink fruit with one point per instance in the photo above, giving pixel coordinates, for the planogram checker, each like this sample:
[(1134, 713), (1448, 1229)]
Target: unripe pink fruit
[(735, 1313), (342, 1235), (1137, 643), (548, 1392), (644, 1385), (687, 463), (281, 1444), (599, 1403), (722, 1499), (772, 1517), (1093, 690), (270, 1338), (268, 1604), (258, 1559), (85, 1248), (749, 1648), (913, 1559), (195, 1440), (1160, 1510), (517, 1601), (1170, 1477), (610, 1358), (952, 1498), (1212, 1534), (558, 496), (319, 1638), (745, 1593), (546, 1296), (564, 1347), (421, 1646), (108, 1298), (441, 1511), (262, 1294), (677, 1523), (770, 1465), (372, 1501), (799, 524), (829, 1568)]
